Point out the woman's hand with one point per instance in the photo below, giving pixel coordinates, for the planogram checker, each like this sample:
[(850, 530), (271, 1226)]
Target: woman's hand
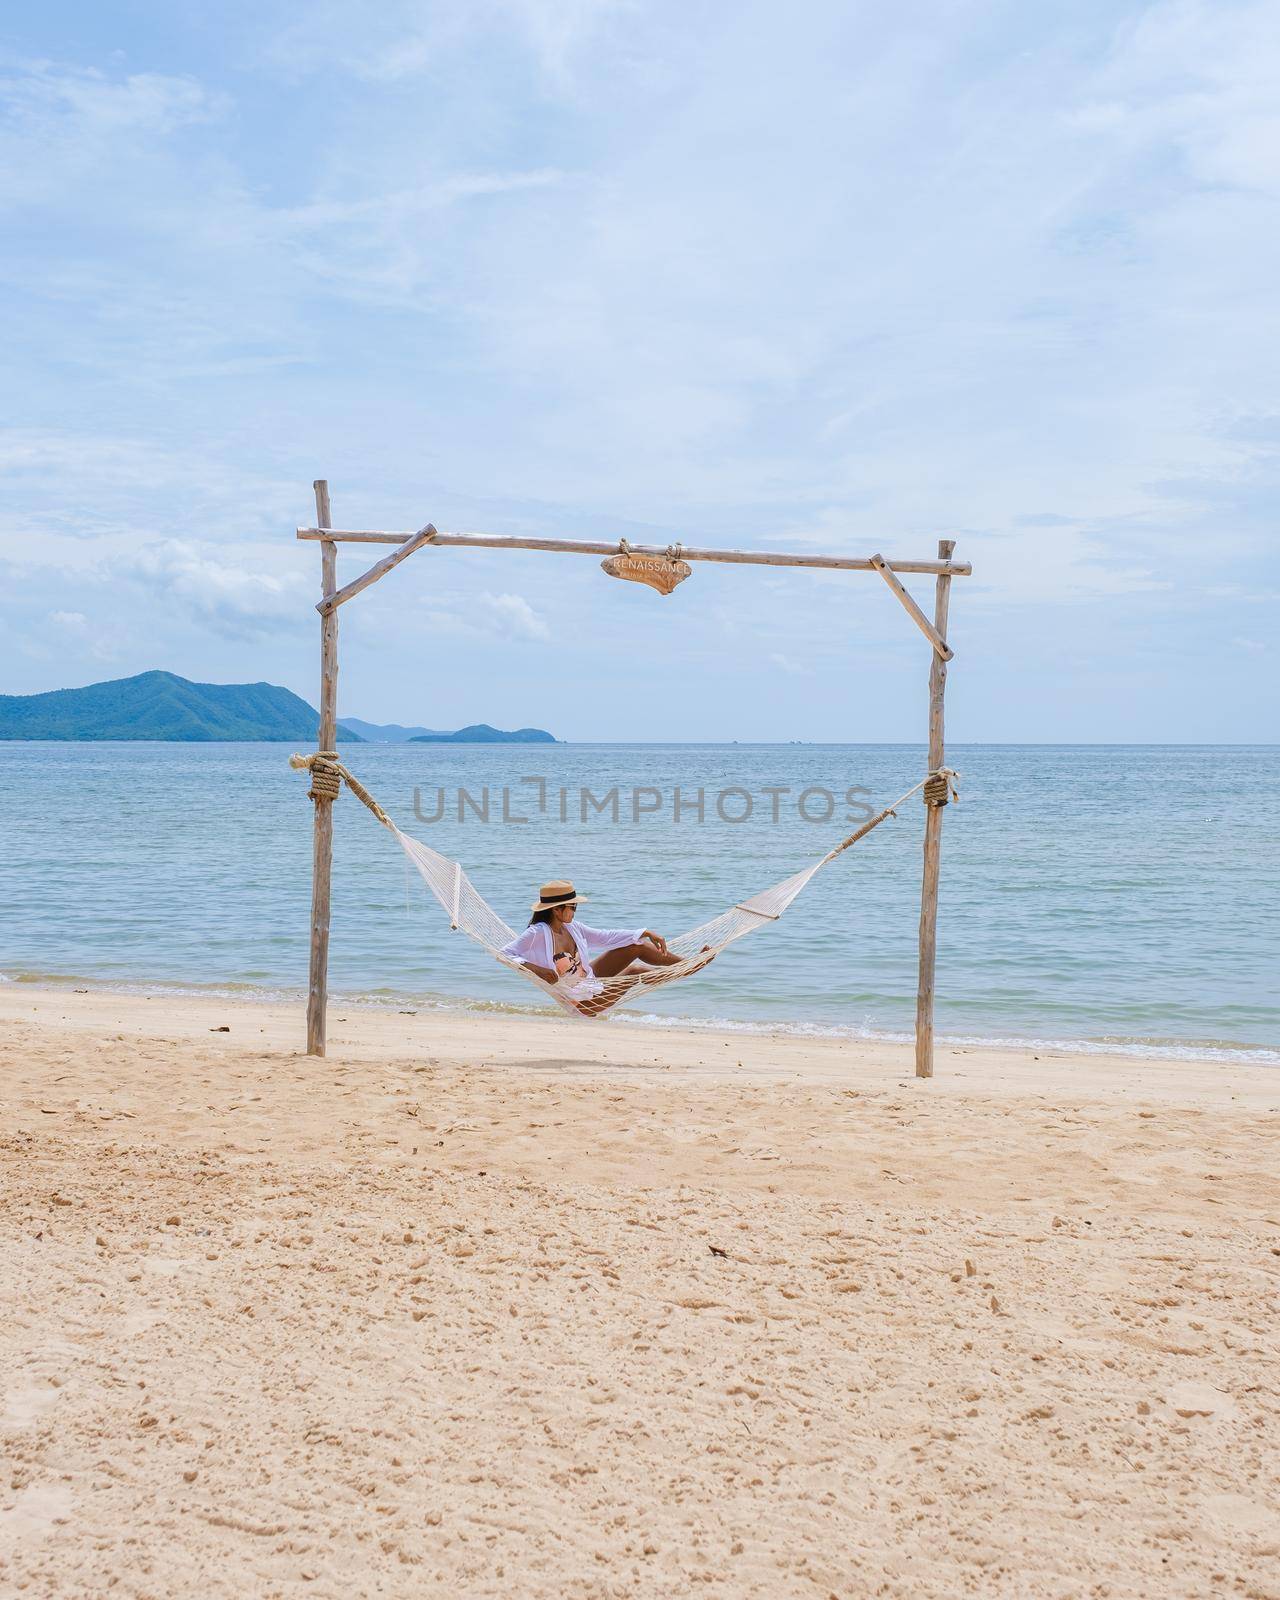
[(655, 939), (547, 974)]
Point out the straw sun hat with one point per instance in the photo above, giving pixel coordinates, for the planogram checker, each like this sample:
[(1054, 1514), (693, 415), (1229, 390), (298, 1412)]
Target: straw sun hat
[(559, 892)]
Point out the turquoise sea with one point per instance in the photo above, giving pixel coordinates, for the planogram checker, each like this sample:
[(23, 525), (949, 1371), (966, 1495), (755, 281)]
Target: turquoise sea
[(1095, 896)]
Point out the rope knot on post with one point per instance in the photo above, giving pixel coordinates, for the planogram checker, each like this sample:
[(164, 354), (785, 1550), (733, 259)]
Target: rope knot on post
[(327, 777), (941, 786), (326, 774)]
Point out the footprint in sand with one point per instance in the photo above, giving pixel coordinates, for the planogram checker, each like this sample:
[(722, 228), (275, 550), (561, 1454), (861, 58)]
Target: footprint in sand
[(1197, 1399), (34, 1511), (162, 1266), (22, 1406)]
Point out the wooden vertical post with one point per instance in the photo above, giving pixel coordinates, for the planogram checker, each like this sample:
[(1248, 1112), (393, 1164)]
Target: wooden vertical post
[(322, 843), (932, 831)]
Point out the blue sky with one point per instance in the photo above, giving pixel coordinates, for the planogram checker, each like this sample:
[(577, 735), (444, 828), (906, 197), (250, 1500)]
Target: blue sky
[(830, 276)]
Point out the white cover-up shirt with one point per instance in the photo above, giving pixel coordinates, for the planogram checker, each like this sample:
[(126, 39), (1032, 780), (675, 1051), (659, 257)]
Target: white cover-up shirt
[(534, 946)]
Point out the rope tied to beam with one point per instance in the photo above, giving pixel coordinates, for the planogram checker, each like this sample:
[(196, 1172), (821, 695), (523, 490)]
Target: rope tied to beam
[(327, 777), (944, 776)]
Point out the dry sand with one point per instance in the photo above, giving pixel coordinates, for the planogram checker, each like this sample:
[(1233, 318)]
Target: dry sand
[(502, 1306)]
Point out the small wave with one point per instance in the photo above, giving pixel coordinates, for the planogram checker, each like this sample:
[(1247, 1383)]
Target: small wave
[(1140, 1049)]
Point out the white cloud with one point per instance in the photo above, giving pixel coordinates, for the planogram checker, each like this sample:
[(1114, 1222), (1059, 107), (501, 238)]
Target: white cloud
[(785, 663), (69, 619), (44, 98), (403, 39), (221, 592), (484, 614), (1199, 78), (513, 615), (66, 125), (508, 615), (382, 246)]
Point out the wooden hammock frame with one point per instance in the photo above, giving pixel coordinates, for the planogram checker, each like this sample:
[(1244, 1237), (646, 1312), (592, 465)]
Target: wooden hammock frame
[(331, 598)]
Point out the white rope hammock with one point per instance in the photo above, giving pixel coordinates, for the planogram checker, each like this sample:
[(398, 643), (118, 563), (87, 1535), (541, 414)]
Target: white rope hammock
[(470, 913)]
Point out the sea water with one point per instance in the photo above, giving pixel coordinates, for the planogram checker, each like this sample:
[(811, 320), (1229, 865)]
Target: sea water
[(1100, 897)]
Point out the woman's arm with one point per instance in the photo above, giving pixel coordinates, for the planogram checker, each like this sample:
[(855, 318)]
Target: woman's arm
[(533, 941), (601, 939)]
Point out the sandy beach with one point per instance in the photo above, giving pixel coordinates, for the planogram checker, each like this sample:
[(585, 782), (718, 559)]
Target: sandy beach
[(492, 1305)]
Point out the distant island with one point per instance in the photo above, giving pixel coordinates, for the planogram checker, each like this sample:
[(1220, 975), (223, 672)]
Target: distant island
[(476, 733), (385, 732), (161, 706), (482, 733)]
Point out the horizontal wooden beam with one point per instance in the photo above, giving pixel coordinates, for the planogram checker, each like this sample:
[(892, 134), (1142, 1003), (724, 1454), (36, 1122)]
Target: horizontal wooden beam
[(599, 547), (415, 541), (912, 609)]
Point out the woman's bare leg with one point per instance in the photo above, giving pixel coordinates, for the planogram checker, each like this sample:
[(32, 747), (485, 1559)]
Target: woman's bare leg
[(605, 1002), (631, 963), (614, 962)]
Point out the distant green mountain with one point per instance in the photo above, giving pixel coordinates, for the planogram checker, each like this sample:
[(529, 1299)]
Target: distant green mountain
[(482, 733), (160, 705), (386, 732)]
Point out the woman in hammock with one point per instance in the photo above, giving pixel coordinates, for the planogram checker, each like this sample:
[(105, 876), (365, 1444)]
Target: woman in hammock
[(576, 958)]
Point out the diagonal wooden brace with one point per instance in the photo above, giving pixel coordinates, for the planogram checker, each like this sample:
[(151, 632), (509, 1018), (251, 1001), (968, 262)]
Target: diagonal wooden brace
[(379, 569), (912, 609)]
